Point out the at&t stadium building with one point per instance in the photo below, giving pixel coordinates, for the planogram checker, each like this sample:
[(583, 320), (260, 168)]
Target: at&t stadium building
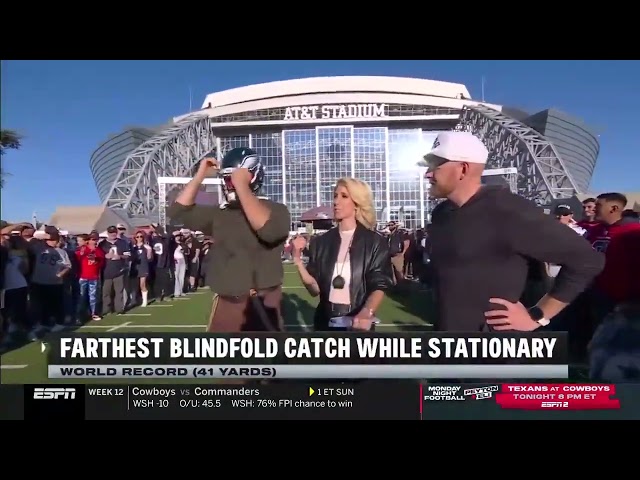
[(311, 132)]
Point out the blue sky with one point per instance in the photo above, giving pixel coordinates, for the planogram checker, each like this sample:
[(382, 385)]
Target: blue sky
[(65, 109)]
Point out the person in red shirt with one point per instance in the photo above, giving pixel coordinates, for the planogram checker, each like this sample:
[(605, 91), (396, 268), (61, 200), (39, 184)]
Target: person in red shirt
[(588, 221), (617, 237), (611, 234), (91, 260)]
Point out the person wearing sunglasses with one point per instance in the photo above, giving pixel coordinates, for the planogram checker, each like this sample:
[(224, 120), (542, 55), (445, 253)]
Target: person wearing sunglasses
[(141, 258)]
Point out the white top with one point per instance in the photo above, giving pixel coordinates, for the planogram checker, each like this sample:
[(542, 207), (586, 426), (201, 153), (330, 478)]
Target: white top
[(555, 269), (178, 254), (342, 268)]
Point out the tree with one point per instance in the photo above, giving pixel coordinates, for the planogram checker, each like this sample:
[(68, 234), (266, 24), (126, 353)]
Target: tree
[(9, 139)]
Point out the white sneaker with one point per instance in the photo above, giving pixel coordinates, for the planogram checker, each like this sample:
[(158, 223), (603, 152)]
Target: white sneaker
[(144, 299)]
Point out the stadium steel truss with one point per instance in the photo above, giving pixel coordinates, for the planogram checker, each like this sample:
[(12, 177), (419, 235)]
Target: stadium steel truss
[(542, 176), (172, 153)]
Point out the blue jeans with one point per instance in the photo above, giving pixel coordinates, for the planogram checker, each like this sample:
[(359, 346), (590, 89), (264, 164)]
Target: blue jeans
[(88, 288)]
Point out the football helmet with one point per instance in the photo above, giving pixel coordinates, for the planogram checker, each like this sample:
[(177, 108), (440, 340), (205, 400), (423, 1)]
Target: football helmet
[(241, 157)]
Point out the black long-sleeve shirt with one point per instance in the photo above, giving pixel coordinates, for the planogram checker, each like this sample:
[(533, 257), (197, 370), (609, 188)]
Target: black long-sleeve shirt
[(482, 250)]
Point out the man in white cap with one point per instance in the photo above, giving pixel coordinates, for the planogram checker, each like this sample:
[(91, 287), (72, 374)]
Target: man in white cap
[(484, 238), (456, 162)]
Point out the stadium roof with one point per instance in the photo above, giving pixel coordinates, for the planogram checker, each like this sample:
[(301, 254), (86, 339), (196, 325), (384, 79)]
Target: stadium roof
[(337, 91), (77, 220), (286, 88)]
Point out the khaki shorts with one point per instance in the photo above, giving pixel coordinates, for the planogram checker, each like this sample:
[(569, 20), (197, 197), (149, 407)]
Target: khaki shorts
[(398, 262)]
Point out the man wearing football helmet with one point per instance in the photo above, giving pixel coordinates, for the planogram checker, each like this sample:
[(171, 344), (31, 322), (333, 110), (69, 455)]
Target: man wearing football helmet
[(244, 159), (244, 269)]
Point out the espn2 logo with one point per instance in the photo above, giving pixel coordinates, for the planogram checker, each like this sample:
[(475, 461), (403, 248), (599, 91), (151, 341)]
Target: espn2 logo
[(54, 393)]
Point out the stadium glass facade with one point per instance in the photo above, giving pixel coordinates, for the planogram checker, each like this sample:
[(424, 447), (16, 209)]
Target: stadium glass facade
[(107, 160), (312, 131), (577, 143), (303, 165)]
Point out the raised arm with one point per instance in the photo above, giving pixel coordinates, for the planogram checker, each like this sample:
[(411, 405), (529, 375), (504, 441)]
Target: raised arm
[(184, 210), (299, 243), (271, 221)]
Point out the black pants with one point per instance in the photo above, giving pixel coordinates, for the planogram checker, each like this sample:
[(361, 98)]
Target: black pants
[(71, 294), (579, 319), (163, 283), (133, 289), (48, 302), (15, 307), (202, 274)]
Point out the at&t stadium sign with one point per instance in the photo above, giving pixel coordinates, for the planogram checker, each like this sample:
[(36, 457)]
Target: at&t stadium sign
[(354, 110)]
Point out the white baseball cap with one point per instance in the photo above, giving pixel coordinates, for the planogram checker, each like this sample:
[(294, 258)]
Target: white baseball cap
[(459, 147)]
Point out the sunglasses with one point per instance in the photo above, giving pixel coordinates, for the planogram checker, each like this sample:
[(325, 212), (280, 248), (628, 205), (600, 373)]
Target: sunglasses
[(433, 162)]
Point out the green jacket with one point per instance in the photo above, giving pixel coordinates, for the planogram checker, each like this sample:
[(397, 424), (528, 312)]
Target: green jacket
[(240, 259)]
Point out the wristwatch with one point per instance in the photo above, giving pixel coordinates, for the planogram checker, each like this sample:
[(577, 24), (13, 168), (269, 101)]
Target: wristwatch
[(537, 314)]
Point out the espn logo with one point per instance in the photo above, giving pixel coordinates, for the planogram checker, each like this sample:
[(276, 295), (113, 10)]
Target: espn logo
[(54, 393)]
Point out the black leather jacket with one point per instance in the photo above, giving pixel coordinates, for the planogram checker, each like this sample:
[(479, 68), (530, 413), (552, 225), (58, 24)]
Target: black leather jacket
[(370, 268)]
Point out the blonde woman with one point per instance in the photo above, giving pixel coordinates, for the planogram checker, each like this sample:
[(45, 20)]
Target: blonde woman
[(349, 266), (141, 259)]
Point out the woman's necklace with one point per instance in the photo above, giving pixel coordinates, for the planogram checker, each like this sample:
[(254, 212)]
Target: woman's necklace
[(338, 281)]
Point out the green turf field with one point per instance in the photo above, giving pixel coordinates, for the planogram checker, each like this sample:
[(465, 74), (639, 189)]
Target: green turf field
[(191, 313)]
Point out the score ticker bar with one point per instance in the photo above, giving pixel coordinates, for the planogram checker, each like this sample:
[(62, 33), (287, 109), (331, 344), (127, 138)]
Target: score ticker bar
[(318, 400), (283, 401)]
